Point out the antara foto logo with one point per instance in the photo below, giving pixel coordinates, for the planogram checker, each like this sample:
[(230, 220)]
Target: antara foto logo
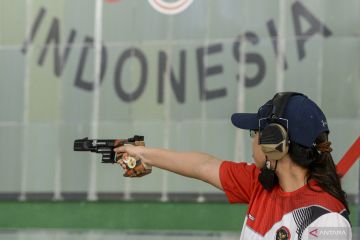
[(314, 232)]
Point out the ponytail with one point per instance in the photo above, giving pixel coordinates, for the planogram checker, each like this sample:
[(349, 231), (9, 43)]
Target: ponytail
[(320, 165)]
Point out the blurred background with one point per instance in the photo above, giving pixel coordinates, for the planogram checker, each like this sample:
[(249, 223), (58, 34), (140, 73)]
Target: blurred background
[(173, 71)]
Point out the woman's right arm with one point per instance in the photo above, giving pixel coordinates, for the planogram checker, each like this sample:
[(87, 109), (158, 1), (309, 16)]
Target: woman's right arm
[(196, 165)]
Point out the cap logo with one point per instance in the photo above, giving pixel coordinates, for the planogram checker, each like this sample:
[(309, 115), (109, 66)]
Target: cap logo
[(324, 124)]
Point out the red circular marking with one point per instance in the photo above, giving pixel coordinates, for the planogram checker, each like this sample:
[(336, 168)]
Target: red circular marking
[(112, 1), (170, 8)]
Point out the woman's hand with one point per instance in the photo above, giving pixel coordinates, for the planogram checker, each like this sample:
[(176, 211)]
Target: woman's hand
[(130, 159)]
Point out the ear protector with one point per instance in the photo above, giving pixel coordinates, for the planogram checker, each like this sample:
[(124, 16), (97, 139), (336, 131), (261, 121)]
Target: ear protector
[(273, 138)]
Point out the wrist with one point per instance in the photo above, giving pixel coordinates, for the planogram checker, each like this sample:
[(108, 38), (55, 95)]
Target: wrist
[(143, 154)]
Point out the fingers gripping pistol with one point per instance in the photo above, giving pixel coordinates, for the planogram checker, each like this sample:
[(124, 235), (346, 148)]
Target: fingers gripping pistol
[(135, 167)]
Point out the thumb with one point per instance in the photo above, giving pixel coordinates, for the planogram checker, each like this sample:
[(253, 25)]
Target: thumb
[(120, 149)]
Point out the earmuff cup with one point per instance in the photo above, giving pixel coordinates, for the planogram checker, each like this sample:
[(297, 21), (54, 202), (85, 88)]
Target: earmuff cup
[(273, 138), (274, 141)]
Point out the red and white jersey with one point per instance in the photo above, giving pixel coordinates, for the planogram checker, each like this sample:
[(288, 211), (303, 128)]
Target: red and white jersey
[(302, 214)]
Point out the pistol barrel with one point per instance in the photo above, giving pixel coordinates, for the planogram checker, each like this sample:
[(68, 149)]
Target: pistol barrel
[(83, 145)]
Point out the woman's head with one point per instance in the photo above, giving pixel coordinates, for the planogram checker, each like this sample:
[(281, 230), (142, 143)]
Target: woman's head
[(288, 116), (301, 118), (305, 132)]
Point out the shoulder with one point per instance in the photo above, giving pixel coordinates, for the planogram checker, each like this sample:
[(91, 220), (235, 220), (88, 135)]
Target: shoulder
[(238, 171), (317, 196), (314, 217), (331, 219), (239, 166), (238, 180)]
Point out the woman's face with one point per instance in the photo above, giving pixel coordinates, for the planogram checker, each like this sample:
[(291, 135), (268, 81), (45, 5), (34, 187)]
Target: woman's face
[(258, 155)]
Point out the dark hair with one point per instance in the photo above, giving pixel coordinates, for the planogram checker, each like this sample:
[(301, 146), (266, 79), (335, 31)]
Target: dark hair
[(320, 165)]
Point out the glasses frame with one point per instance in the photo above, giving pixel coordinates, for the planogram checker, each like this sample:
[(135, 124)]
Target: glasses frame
[(253, 132)]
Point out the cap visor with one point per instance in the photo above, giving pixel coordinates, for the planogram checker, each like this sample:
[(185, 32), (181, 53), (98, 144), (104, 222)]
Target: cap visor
[(245, 120)]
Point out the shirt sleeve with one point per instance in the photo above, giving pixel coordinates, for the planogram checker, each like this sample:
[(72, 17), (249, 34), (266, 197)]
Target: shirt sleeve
[(238, 180)]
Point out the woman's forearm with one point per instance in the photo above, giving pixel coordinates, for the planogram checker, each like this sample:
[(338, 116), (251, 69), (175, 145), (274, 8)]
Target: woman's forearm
[(188, 164)]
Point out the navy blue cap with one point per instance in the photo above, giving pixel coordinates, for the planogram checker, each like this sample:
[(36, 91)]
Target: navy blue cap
[(305, 119)]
